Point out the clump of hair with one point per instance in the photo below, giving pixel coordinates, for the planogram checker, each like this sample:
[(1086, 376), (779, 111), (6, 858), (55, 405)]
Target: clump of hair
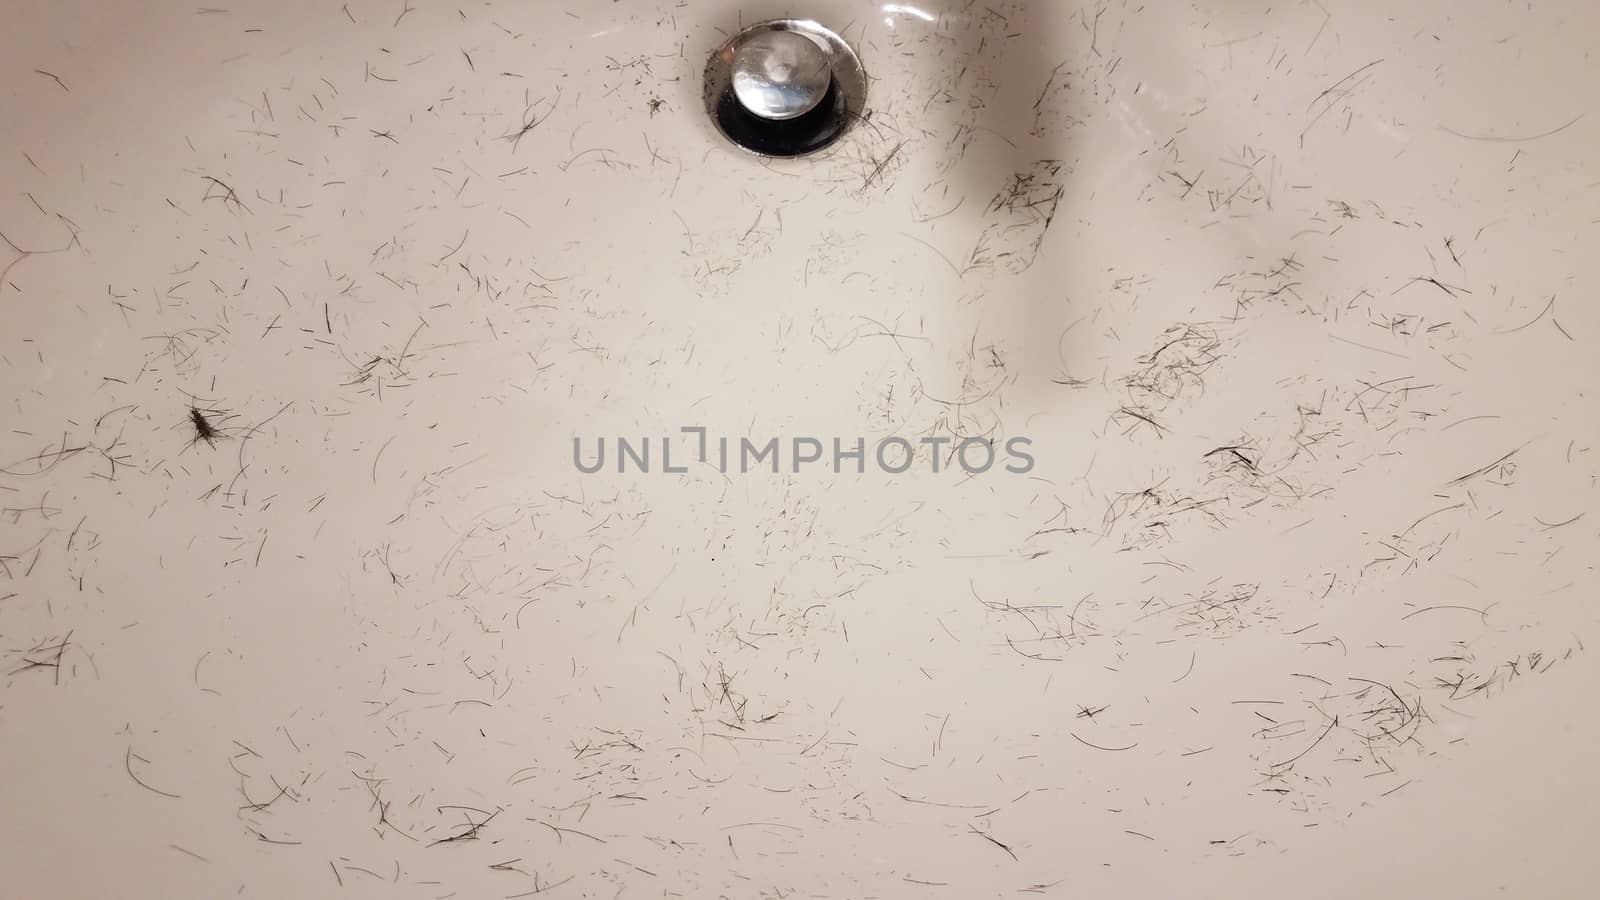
[(204, 428)]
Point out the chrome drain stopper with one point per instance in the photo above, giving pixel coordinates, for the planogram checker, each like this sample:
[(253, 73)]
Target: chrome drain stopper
[(780, 74), (785, 88)]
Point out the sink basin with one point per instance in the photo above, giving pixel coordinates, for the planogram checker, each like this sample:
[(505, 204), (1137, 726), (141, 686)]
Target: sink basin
[(1151, 453)]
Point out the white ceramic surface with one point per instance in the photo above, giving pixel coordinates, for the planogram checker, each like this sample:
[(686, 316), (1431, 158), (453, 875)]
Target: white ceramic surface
[(1293, 300)]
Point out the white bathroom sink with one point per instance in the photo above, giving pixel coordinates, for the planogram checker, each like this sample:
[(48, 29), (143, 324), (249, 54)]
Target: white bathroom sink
[(1279, 316)]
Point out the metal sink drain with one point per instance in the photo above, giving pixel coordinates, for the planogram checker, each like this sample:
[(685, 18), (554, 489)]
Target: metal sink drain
[(785, 88)]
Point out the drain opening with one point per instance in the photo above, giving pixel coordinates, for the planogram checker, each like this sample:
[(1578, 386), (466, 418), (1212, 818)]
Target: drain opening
[(785, 88)]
